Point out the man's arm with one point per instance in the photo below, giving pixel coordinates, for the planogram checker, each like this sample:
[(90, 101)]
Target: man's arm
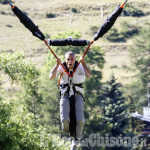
[(86, 69), (53, 72)]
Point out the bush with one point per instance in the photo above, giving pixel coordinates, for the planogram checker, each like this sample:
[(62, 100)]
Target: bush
[(74, 10), (131, 10), (9, 26), (2, 12), (115, 36), (114, 67), (3, 2), (50, 15), (127, 31), (18, 132), (19, 129)]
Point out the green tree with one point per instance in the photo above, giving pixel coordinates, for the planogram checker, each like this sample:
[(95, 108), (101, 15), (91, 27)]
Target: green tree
[(18, 131), (114, 109), (140, 55), (17, 122), (91, 91), (24, 75)]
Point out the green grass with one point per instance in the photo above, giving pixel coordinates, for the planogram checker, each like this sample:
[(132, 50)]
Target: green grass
[(19, 38), (114, 64)]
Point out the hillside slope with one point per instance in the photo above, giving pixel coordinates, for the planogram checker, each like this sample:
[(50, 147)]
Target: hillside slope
[(84, 16)]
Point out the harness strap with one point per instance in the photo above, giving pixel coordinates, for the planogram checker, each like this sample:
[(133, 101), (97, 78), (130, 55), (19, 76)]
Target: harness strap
[(72, 125), (62, 86), (66, 70), (65, 65), (60, 78)]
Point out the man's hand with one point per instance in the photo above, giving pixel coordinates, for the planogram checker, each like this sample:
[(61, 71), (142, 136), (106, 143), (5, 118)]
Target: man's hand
[(87, 71), (81, 59), (52, 74), (58, 61)]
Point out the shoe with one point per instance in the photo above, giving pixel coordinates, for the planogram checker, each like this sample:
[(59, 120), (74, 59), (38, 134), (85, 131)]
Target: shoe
[(73, 145)]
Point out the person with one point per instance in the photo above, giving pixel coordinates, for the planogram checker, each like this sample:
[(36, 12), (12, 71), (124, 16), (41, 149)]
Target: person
[(71, 86)]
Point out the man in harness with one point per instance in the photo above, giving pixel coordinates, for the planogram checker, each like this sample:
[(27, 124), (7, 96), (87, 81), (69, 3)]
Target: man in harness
[(71, 101)]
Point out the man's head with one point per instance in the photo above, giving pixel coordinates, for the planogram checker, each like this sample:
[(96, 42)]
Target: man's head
[(70, 59)]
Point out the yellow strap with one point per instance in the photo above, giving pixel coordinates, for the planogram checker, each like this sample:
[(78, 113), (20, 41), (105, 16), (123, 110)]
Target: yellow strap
[(60, 77)]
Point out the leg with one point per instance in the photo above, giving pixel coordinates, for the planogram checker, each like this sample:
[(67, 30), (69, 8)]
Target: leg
[(64, 112), (79, 104)]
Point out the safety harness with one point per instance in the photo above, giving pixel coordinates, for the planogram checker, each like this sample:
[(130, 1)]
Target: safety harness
[(70, 85)]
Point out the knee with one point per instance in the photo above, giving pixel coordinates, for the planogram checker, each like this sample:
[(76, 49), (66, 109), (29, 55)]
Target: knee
[(65, 126), (79, 129), (80, 123)]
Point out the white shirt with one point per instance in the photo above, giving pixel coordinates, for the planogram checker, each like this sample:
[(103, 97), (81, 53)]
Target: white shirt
[(78, 77)]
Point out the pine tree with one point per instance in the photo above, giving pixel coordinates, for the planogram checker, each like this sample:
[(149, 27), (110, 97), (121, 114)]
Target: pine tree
[(140, 53), (114, 109)]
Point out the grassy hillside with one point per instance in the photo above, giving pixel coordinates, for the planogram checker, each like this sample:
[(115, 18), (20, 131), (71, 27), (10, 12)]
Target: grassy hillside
[(57, 16)]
